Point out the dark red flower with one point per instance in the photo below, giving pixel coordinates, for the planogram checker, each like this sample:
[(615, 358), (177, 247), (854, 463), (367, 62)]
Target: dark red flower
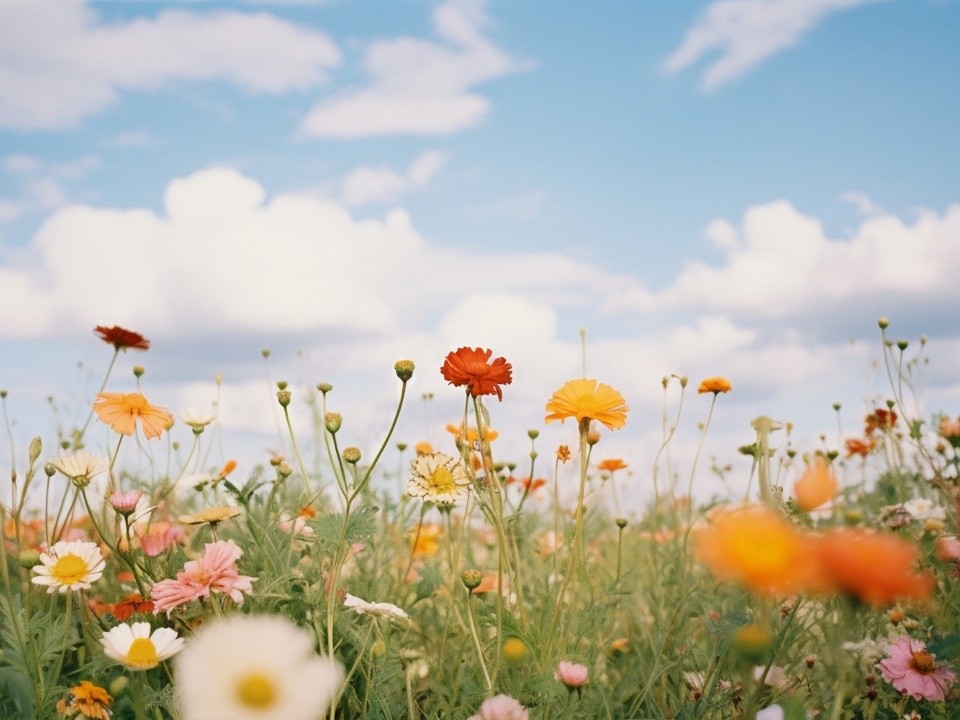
[(121, 338), (472, 367)]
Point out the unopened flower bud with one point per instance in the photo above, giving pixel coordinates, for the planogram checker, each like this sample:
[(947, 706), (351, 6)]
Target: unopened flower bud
[(29, 558), (471, 578), (138, 371), (404, 369), (883, 322), (621, 522), (401, 446), (351, 455), (869, 680), (811, 660), (283, 397), (902, 344), (265, 352), (324, 388), (683, 381), (836, 407), (282, 384), (593, 437), (3, 394), (36, 447), (119, 685), (332, 422), (49, 469), (533, 433)]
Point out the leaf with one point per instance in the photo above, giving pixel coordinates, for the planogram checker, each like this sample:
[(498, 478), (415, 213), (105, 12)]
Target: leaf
[(330, 530), (16, 687)]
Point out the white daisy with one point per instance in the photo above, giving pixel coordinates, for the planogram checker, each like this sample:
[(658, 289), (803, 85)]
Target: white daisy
[(924, 509), (380, 609), (136, 648), (254, 667), (81, 467), (197, 417), (69, 566), (437, 477)]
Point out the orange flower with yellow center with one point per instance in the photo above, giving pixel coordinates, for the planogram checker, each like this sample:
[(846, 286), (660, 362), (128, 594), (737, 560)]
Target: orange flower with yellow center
[(611, 465), (873, 567), (588, 399), (121, 411), (715, 385), (757, 547), (816, 485), (472, 367)]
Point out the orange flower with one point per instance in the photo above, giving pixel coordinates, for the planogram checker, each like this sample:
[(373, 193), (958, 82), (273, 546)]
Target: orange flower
[(880, 419), (423, 448), (426, 541), (856, 446), (583, 399), (121, 411), (873, 567), (86, 700), (472, 367), (816, 485), (563, 453), (611, 465), (757, 547), (470, 434), (130, 605), (122, 338), (715, 385)]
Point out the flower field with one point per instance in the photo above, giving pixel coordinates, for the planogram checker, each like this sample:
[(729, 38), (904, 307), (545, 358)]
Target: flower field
[(144, 591)]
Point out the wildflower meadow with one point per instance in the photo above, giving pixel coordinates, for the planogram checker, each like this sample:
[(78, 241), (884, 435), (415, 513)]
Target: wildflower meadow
[(138, 583)]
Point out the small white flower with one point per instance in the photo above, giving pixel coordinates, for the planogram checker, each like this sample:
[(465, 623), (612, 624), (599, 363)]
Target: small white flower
[(380, 609), (771, 712), (254, 667), (69, 566), (437, 477), (197, 417), (81, 465), (136, 648), (924, 509)]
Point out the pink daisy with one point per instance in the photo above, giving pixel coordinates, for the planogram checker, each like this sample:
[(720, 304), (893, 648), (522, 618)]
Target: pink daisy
[(501, 707), (215, 571), (571, 674), (914, 671)]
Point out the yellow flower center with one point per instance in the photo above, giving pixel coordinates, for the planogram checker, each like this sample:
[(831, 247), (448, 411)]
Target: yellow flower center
[(142, 654), (441, 481), (70, 569), (257, 691)]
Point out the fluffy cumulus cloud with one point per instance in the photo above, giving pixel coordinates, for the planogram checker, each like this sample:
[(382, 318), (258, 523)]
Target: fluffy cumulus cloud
[(417, 86), (366, 185), (60, 62), (780, 264), (744, 33)]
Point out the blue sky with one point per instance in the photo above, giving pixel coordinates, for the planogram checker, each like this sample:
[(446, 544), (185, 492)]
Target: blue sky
[(737, 187)]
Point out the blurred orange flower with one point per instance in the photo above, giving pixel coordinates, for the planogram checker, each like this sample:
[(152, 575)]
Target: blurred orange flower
[(715, 385), (470, 434), (563, 453), (816, 485), (583, 399), (873, 567), (426, 542), (423, 448), (856, 446), (472, 367), (121, 338), (758, 547), (121, 411), (879, 419), (611, 464)]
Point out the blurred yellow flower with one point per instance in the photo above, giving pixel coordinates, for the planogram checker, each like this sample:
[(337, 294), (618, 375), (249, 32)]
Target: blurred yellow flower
[(426, 541), (587, 398), (715, 385)]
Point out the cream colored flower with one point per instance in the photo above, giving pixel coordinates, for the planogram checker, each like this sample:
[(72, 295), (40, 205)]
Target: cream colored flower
[(197, 417), (136, 648), (254, 667), (379, 609), (437, 477), (212, 515), (81, 467), (69, 566)]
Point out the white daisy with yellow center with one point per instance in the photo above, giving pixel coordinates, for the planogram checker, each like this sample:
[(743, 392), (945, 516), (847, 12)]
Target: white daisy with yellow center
[(254, 667), (437, 477), (136, 648), (69, 566)]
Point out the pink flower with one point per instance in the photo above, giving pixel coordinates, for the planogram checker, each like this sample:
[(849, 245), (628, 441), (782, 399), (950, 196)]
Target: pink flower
[(126, 502), (215, 571), (159, 539), (501, 707), (573, 675), (915, 672)]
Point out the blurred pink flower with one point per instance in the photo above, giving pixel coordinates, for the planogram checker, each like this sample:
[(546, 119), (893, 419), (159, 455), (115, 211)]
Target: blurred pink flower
[(160, 538), (573, 675), (914, 671), (125, 502), (215, 571), (501, 707)]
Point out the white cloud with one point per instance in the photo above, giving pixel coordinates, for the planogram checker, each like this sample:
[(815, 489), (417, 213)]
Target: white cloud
[(744, 33), (59, 63), (862, 202), (417, 86), (384, 184), (780, 264), (41, 184)]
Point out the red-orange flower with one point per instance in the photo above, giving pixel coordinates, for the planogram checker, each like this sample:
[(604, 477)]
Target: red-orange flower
[(856, 446), (121, 338), (880, 419), (874, 567), (611, 465), (130, 605), (473, 368), (121, 411)]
